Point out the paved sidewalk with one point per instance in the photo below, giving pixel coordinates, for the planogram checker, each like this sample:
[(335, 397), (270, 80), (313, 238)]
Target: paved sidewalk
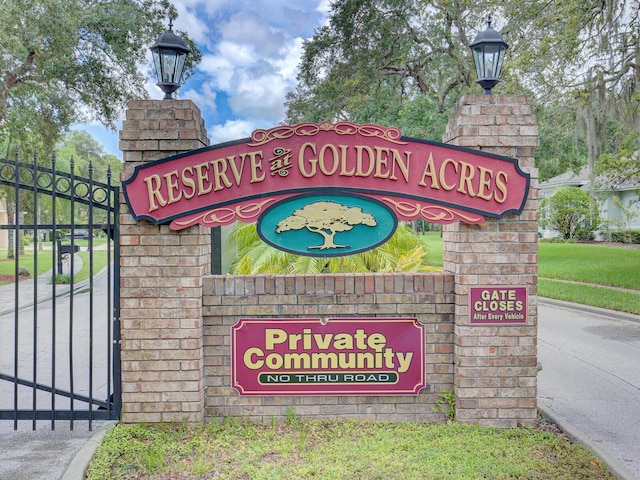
[(43, 454), (27, 288)]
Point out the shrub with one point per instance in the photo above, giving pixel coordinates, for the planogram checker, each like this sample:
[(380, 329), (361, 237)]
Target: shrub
[(584, 235), (567, 211), (626, 236)]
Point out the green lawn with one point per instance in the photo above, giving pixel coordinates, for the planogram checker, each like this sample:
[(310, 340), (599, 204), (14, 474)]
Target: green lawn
[(45, 261), (588, 263), (335, 449), (432, 242), (579, 273), (7, 266)]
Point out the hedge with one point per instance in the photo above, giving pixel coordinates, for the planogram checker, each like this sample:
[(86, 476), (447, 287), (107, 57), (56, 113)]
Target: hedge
[(628, 236)]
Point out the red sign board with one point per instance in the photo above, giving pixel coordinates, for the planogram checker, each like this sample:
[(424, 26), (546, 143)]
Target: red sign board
[(342, 356), (498, 305), (234, 181)]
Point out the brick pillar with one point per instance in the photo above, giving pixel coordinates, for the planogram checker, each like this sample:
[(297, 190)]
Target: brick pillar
[(161, 279), (495, 367)]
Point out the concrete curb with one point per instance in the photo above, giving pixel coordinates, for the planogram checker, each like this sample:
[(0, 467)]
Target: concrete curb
[(78, 466), (586, 308), (613, 466)]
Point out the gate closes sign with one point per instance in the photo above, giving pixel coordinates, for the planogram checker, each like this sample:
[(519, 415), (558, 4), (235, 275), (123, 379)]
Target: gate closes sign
[(498, 305)]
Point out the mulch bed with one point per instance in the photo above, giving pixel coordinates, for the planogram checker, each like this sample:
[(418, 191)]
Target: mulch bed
[(12, 278)]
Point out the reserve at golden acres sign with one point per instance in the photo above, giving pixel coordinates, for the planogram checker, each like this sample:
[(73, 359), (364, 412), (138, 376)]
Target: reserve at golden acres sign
[(304, 356), (326, 189)]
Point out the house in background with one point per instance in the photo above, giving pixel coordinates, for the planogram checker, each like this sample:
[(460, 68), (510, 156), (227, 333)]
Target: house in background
[(612, 215)]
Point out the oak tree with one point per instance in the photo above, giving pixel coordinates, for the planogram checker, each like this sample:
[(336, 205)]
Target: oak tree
[(66, 61)]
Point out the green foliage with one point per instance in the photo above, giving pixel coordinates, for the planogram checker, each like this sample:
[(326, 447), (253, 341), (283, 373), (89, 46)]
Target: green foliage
[(617, 169), (567, 211), (402, 253), (63, 279), (629, 236), (384, 61), (66, 61), (561, 147), (335, 449), (87, 153), (447, 399)]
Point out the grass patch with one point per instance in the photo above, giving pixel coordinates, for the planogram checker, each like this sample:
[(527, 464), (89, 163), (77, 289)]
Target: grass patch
[(99, 262), (432, 243), (590, 295), (7, 265), (588, 263), (45, 262), (333, 449)]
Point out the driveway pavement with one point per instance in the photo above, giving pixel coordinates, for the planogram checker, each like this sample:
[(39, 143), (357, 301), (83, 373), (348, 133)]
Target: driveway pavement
[(43, 454), (590, 379)]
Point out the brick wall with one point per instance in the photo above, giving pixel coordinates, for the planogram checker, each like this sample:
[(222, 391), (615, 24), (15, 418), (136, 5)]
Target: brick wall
[(427, 297), (161, 275), (495, 366), (176, 318)]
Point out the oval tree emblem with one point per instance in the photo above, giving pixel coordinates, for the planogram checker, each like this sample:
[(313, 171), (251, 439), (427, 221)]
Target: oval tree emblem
[(327, 225)]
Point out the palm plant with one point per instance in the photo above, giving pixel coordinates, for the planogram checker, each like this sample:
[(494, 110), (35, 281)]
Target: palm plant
[(402, 253)]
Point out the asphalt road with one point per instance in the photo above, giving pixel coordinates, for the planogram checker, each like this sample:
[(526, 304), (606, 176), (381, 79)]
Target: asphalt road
[(590, 377), (43, 454)]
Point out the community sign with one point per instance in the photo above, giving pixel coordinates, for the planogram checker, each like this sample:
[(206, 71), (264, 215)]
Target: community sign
[(326, 189), (339, 356)]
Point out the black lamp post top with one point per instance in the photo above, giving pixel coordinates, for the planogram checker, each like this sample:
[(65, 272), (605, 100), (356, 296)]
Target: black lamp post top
[(488, 50), (169, 54), (170, 40), (489, 35)]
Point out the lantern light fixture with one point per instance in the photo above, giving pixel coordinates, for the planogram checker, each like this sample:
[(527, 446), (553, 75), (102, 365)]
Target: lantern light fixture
[(488, 50), (169, 55)]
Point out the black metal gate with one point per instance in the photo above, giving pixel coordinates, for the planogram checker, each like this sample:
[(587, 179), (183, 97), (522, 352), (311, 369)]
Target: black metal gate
[(59, 307)]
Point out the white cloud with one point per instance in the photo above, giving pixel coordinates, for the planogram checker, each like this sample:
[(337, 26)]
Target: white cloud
[(231, 130), (261, 98), (189, 21), (245, 28), (205, 97), (288, 64), (251, 50)]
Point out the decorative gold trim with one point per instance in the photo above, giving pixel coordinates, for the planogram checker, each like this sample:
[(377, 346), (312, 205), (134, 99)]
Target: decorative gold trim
[(432, 213), (225, 216), (391, 134)]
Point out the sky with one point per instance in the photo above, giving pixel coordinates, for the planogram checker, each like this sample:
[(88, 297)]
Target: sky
[(251, 49)]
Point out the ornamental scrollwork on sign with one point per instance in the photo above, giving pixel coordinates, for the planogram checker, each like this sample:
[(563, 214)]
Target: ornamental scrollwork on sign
[(432, 213), (246, 212), (391, 134)]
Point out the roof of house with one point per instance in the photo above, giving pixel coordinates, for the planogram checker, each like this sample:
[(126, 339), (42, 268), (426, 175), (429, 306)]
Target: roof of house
[(567, 179), (580, 179)]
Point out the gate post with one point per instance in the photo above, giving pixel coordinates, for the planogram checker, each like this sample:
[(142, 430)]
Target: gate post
[(161, 279), (495, 366)]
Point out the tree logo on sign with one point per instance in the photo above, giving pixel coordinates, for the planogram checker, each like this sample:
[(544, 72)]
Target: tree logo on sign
[(326, 219)]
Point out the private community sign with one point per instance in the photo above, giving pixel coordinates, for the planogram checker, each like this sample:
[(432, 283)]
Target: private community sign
[(297, 356), (326, 189)]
